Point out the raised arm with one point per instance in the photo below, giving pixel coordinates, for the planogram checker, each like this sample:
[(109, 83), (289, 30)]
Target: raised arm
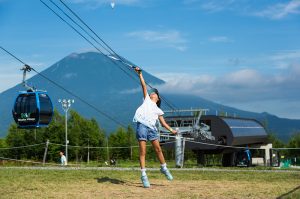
[(143, 84), (164, 124)]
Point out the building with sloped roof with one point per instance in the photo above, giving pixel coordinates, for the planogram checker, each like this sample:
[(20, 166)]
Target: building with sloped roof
[(211, 134)]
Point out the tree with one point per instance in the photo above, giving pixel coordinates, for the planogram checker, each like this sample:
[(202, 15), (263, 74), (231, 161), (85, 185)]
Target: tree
[(3, 145), (275, 141), (85, 133), (15, 138), (294, 143), (81, 132), (120, 138), (55, 134), (132, 141)]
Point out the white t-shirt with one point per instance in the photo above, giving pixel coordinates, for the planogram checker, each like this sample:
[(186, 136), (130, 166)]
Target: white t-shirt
[(148, 113)]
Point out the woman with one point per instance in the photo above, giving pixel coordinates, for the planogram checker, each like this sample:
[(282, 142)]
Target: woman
[(147, 116)]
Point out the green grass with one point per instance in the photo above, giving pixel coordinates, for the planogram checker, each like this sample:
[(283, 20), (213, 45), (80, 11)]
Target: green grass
[(135, 164), (61, 183)]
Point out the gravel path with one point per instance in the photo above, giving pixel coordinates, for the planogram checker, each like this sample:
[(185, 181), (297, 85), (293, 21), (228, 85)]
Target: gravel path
[(154, 169)]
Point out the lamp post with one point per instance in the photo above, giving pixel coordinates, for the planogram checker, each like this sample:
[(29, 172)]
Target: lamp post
[(66, 104)]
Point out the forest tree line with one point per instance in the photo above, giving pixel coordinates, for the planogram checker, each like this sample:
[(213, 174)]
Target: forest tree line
[(87, 140)]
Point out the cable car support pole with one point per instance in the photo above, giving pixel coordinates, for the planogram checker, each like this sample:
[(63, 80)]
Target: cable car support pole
[(66, 104)]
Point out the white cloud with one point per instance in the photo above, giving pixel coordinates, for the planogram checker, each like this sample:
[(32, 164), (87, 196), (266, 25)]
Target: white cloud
[(131, 91), (10, 73), (286, 55), (9, 80), (274, 11), (280, 10), (220, 39), (170, 38), (210, 6), (285, 59), (245, 77), (70, 75), (216, 6), (243, 86)]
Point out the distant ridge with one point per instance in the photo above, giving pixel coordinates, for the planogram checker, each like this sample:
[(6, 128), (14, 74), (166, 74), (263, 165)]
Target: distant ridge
[(100, 82)]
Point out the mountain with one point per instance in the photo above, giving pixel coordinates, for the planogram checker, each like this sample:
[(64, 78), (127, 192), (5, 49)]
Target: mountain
[(95, 78), (107, 87)]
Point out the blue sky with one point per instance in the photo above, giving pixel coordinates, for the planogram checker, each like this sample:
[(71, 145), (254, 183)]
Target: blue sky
[(241, 53)]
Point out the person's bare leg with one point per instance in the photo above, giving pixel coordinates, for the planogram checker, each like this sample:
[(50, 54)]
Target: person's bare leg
[(161, 159), (142, 145), (144, 177), (158, 151)]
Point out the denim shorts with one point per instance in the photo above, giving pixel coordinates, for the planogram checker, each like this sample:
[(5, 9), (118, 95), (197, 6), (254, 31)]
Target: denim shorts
[(145, 133)]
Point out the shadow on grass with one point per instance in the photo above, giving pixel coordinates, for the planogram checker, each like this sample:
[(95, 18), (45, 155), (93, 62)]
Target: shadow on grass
[(110, 180), (121, 182), (295, 193)]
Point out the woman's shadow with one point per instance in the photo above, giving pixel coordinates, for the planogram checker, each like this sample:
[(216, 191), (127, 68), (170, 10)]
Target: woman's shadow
[(120, 182), (110, 180)]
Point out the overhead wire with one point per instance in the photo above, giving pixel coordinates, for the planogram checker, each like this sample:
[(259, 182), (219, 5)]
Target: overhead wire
[(107, 48), (58, 85), (129, 74), (12, 55), (21, 147), (67, 91), (120, 57), (162, 143), (79, 32), (70, 25), (79, 18), (78, 25), (82, 100), (127, 147)]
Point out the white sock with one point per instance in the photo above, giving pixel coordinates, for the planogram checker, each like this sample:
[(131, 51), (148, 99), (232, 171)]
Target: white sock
[(164, 166), (143, 172)]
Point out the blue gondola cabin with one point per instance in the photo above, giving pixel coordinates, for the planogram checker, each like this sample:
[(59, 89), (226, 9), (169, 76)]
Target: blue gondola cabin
[(32, 109)]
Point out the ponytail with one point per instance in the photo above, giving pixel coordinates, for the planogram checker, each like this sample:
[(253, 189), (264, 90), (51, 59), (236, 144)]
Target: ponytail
[(158, 103)]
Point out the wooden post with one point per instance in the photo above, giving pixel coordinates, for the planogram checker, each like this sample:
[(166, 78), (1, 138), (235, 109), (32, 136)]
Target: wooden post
[(45, 154)]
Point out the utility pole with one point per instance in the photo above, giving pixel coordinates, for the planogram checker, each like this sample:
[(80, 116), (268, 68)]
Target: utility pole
[(66, 104)]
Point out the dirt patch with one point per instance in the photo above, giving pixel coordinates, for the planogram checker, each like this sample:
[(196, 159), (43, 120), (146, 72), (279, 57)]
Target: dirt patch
[(120, 184), (114, 188)]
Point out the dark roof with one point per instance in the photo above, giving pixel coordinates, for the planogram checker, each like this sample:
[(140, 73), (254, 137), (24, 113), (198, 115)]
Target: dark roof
[(244, 127)]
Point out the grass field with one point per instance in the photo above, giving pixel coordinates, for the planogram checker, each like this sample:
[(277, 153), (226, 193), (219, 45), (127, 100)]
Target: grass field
[(74, 183)]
